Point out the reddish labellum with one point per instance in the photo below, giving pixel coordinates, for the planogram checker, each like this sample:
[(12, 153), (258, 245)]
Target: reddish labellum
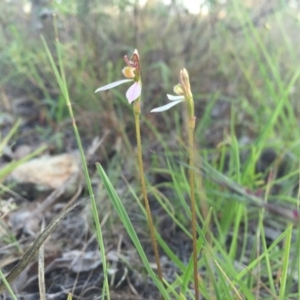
[(134, 61)]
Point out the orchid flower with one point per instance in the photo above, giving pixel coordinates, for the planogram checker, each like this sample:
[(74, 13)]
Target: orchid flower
[(182, 91), (132, 73)]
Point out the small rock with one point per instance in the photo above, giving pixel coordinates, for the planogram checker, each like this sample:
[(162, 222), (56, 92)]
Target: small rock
[(45, 173)]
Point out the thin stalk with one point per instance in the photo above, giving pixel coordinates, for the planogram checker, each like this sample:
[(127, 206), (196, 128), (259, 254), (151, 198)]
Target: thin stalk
[(137, 113), (7, 286), (285, 264), (61, 80), (185, 88), (91, 193), (191, 127)]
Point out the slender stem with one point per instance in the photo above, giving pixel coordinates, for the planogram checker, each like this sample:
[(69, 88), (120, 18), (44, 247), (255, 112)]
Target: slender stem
[(191, 126), (61, 79), (137, 112), (191, 120), (5, 284)]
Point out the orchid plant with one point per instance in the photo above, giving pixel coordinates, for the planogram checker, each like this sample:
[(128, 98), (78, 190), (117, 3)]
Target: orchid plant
[(184, 94), (133, 74)]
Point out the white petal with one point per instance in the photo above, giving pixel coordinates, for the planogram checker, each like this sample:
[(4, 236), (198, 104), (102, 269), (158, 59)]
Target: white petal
[(166, 107), (172, 97), (133, 92), (112, 85)]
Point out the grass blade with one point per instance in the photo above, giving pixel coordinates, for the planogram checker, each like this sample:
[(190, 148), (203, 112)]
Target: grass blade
[(129, 228)]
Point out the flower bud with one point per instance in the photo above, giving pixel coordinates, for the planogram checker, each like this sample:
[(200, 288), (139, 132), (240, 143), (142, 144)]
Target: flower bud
[(185, 82)]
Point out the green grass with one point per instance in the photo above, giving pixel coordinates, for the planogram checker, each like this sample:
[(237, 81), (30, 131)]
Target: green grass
[(245, 80)]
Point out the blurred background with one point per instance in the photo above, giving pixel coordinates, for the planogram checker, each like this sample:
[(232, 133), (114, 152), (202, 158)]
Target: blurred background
[(240, 56)]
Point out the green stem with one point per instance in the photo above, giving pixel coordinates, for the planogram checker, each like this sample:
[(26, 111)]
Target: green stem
[(137, 112), (61, 80), (191, 127), (5, 284)]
